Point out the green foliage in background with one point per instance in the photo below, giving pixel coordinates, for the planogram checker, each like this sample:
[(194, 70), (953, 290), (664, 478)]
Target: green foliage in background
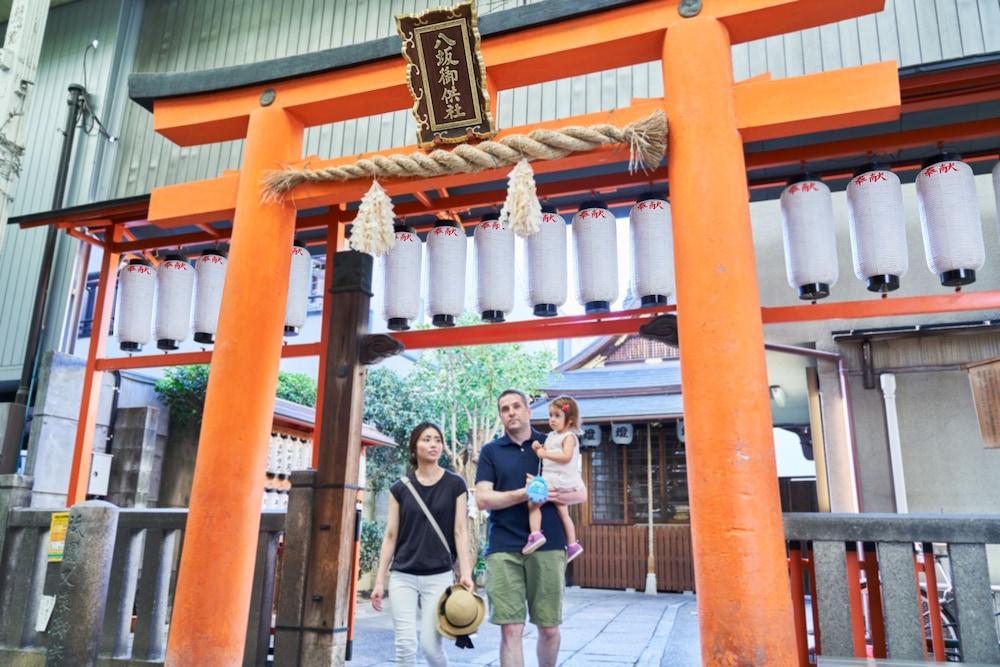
[(182, 389), (372, 533)]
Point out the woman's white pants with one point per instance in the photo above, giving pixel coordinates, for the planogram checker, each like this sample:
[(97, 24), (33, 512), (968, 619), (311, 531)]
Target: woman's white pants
[(407, 592)]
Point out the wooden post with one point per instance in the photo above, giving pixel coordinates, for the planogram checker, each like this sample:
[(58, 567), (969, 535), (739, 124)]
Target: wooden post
[(214, 584), (744, 602), (327, 602), (83, 447), (650, 542)]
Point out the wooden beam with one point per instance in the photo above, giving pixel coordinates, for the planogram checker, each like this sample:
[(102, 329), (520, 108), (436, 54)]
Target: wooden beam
[(769, 109), (604, 40)]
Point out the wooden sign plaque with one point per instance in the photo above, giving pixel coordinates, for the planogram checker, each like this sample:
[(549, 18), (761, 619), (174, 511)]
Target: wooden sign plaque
[(446, 75), (985, 379)]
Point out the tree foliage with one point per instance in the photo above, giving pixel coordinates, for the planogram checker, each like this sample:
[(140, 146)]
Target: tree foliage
[(183, 388)]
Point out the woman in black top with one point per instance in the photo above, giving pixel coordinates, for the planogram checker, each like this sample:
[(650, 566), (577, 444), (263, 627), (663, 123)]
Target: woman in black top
[(421, 565)]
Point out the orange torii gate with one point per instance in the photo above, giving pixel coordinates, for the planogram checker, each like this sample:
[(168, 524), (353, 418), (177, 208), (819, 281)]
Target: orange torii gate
[(743, 593)]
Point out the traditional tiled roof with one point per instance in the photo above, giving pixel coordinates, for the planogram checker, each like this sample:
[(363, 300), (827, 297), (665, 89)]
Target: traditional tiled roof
[(652, 406), (611, 379)]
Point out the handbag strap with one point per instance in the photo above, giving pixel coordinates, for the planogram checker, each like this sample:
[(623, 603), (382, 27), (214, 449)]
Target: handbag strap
[(427, 513)]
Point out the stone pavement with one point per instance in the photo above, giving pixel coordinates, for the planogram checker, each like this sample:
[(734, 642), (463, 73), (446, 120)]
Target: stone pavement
[(600, 628)]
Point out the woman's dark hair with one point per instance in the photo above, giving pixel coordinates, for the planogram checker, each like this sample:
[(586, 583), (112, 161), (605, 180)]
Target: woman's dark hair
[(415, 434)]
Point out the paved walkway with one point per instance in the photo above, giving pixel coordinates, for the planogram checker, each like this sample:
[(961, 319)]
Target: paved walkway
[(600, 628)]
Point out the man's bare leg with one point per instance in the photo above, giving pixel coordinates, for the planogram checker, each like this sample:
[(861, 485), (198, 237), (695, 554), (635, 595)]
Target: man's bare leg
[(548, 646), (512, 645)]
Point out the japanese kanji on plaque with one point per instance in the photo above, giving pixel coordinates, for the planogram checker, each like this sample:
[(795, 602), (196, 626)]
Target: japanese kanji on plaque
[(446, 75)]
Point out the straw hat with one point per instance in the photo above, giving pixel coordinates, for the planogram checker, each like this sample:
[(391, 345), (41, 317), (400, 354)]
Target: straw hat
[(459, 612)]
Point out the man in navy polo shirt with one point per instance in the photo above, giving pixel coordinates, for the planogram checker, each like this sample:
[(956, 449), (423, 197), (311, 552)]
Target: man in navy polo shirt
[(518, 584)]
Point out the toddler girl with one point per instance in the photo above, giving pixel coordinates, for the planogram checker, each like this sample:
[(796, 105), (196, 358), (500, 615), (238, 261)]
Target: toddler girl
[(561, 470)]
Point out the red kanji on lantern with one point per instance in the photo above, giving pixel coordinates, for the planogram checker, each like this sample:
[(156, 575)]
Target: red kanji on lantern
[(641, 206), (930, 171), (548, 217), (598, 213), (860, 180), (584, 214), (809, 187), (654, 205), (948, 166), (406, 236), (792, 190), (298, 251), (876, 176)]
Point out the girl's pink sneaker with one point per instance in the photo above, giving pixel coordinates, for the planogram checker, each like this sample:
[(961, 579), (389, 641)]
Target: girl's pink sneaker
[(535, 540), (573, 550)]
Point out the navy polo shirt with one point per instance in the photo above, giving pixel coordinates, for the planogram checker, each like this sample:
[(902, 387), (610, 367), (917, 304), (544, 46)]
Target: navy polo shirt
[(507, 464)]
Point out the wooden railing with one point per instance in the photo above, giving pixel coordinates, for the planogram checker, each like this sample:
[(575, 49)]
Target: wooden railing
[(143, 573), (898, 586)]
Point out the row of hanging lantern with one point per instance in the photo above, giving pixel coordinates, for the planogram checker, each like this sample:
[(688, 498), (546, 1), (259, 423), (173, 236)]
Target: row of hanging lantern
[(595, 240), (187, 297), (949, 218)]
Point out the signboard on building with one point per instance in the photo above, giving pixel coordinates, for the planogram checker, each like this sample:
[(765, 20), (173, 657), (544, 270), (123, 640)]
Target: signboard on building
[(985, 379), (446, 75)]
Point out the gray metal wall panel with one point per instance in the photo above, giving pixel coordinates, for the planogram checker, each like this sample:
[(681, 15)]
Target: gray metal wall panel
[(67, 32)]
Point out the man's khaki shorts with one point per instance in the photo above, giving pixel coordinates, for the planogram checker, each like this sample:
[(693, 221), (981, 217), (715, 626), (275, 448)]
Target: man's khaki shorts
[(519, 585)]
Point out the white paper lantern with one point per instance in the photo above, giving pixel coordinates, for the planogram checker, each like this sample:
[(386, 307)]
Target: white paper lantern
[(299, 287), (547, 264), (810, 240), (590, 435), (996, 188), (494, 245), (174, 293), (210, 275), (652, 249), (401, 287), (446, 272), (950, 220), (878, 228), (595, 237), (621, 434), (136, 285)]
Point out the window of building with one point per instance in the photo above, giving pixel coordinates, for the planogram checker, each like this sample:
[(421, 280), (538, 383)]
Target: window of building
[(619, 488)]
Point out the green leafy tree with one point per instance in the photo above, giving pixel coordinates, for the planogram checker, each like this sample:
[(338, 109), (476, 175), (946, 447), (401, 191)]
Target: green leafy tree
[(183, 388), (394, 407)]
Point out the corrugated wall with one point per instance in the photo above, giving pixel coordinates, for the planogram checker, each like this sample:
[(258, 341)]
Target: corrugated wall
[(68, 31), (179, 36)]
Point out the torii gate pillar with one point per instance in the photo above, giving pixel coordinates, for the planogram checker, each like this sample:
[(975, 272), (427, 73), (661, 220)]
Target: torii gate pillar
[(744, 600), (208, 625)]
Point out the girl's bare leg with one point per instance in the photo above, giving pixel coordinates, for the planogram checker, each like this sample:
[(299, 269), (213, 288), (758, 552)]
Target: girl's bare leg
[(535, 517), (567, 522)]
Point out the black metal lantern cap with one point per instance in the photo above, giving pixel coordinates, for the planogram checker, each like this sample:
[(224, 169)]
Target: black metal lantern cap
[(443, 320), (597, 307), (174, 257), (167, 344), (204, 338), (870, 166), (804, 176), (646, 196), (136, 261), (814, 291), (446, 222), (593, 203), (400, 227), (883, 283), (490, 214), (940, 157), (545, 310), (651, 300), (493, 316), (398, 324), (128, 346), (298, 242), (549, 208), (291, 331), (215, 250), (958, 277)]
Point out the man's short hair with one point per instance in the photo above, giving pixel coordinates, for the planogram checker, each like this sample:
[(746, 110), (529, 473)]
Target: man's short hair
[(508, 392)]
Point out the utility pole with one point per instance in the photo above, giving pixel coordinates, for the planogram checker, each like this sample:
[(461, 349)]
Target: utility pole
[(18, 63)]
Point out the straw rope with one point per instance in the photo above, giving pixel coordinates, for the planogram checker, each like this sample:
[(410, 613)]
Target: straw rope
[(646, 139)]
